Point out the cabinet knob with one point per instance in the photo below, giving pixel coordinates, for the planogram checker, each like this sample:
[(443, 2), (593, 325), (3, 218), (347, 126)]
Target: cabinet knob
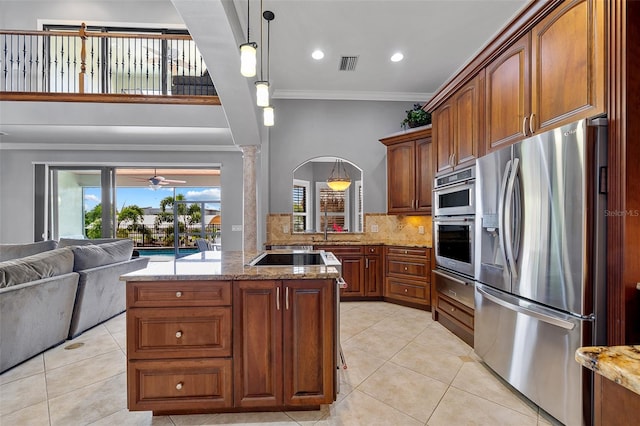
[(179, 385), (406, 290), (178, 334), (453, 309), (178, 294), (406, 251), (406, 269)]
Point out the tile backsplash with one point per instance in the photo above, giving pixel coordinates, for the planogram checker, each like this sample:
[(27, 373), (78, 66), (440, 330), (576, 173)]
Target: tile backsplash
[(391, 229)]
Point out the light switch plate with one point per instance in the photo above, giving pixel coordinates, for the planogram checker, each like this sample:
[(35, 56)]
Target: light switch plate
[(285, 229), (374, 227), (237, 228), (420, 229)]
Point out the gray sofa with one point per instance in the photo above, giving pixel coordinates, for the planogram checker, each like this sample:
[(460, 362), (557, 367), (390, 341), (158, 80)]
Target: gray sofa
[(58, 293), (101, 295)]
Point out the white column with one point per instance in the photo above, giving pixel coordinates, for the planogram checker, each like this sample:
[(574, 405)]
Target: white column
[(250, 229)]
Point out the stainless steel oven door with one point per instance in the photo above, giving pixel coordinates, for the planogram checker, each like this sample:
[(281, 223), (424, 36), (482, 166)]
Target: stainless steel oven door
[(454, 239), (455, 200)]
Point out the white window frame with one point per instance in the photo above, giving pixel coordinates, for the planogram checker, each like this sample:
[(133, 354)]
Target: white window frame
[(307, 188)]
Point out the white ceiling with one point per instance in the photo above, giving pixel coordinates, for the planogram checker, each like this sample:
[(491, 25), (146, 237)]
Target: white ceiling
[(437, 37)]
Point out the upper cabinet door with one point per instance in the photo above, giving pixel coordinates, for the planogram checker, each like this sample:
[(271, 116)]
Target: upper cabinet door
[(507, 97), (468, 107), (424, 174), (568, 64), (401, 177), (443, 129)]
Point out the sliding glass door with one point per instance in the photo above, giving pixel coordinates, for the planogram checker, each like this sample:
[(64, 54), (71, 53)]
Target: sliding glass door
[(81, 204)]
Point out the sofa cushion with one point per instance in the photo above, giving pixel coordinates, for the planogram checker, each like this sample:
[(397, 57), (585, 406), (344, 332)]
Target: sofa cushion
[(68, 242), (15, 251), (30, 268), (94, 255)]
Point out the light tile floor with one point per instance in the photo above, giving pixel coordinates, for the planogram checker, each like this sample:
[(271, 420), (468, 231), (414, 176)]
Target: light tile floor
[(403, 369)]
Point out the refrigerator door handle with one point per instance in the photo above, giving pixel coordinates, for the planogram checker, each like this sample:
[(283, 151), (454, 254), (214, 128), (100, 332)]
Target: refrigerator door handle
[(501, 226), (508, 219), (567, 325)]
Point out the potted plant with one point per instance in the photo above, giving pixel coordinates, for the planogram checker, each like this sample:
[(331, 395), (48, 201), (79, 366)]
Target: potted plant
[(416, 117)]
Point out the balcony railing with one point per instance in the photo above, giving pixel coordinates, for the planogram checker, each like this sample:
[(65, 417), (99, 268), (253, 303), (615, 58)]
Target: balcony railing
[(97, 65)]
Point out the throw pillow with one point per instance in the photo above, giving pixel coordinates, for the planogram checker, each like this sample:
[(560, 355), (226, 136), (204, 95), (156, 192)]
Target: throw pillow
[(94, 255)]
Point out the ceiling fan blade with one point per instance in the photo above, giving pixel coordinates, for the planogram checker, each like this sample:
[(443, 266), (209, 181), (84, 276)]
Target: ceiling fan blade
[(174, 181)]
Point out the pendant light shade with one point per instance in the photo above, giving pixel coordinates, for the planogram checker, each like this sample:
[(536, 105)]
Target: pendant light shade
[(248, 59), (262, 93), (339, 179), (268, 116)]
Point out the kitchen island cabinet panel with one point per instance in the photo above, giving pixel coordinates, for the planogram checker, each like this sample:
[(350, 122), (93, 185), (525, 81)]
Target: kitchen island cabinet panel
[(309, 356), (257, 344), (180, 332), (180, 385)]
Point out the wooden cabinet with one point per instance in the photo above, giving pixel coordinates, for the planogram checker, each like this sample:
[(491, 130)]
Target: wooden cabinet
[(373, 271), (284, 353), (408, 275), (568, 64), (613, 403), (507, 98), (551, 76), (361, 270), (179, 346), (457, 127), (409, 171), (214, 346)]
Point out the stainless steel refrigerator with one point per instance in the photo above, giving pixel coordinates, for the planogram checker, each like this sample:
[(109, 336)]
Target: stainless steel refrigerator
[(540, 264)]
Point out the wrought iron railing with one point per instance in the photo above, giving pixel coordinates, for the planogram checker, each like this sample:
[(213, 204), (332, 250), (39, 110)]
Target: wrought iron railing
[(163, 235), (99, 63)]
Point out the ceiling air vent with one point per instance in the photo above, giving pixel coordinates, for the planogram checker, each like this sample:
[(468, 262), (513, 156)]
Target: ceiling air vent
[(348, 63)]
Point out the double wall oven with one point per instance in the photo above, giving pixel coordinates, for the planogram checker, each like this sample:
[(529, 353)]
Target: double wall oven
[(454, 234)]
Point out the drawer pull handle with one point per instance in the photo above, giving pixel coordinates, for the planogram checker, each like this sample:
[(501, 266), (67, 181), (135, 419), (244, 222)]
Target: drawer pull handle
[(179, 385), (178, 294), (178, 334)]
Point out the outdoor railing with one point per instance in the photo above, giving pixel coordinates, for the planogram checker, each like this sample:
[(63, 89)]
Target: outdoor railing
[(163, 236), (102, 63)]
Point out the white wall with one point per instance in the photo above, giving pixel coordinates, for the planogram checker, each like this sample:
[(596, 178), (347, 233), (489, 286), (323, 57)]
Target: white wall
[(24, 14), (349, 129), (17, 184)]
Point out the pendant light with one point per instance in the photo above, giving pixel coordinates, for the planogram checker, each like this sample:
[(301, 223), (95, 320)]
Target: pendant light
[(262, 94), (248, 60), (339, 179), (268, 116)]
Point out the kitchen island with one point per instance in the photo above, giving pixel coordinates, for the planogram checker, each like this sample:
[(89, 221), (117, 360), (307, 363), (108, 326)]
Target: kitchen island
[(616, 382), (207, 333)]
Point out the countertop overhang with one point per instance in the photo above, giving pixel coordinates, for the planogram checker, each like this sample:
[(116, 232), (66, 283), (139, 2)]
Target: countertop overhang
[(620, 364), (226, 265)]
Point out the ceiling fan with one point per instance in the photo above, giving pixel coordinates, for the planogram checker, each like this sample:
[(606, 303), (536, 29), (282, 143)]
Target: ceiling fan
[(156, 181)]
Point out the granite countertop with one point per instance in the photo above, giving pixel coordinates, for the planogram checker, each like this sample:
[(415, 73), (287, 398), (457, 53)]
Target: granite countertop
[(225, 265), (620, 364)]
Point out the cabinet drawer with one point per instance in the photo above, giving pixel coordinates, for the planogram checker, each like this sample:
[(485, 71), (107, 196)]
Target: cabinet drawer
[(176, 385), (408, 290), (342, 250), (373, 250), (179, 332), (412, 269), (409, 251), (178, 293), (454, 309)]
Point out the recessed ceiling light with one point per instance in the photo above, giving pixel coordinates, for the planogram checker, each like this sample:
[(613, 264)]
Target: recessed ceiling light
[(317, 54), (397, 57)]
